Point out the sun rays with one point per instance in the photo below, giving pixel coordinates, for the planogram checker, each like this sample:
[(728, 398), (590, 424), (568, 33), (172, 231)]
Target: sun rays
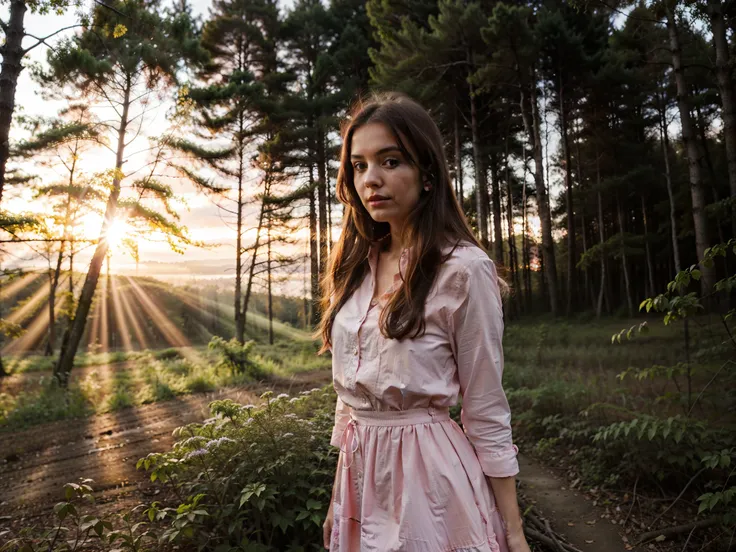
[(125, 317)]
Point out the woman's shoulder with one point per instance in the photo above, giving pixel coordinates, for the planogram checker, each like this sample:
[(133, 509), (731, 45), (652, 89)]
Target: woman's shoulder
[(463, 255)]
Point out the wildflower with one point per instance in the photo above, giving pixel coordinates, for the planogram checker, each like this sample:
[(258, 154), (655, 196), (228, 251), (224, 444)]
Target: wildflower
[(283, 396), (193, 440), (218, 442), (293, 400), (195, 454)]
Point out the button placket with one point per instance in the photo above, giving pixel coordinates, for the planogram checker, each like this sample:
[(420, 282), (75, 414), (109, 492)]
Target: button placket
[(356, 350)]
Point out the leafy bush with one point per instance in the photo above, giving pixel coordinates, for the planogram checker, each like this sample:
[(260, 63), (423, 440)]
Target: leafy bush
[(75, 531), (251, 478), (49, 404), (235, 356)]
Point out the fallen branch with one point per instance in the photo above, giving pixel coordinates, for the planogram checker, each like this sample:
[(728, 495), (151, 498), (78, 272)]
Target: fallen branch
[(538, 528), (682, 492), (558, 545), (676, 530), (633, 501), (544, 539)]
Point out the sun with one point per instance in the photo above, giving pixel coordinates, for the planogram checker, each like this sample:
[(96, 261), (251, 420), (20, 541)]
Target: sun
[(116, 233)]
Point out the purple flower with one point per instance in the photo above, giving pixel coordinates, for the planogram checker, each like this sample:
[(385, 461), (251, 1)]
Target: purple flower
[(195, 454)]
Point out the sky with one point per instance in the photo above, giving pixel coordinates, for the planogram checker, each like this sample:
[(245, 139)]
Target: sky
[(199, 213)]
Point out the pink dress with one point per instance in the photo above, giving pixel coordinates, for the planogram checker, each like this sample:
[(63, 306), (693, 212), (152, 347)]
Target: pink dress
[(409, 479)]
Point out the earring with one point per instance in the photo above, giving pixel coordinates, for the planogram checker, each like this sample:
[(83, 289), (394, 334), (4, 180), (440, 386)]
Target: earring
[(427, 187)]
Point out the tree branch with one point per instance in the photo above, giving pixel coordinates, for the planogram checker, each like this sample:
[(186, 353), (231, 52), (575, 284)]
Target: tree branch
[(44, 39)]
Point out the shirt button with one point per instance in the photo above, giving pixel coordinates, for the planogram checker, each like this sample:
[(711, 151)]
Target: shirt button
[(355, 351)]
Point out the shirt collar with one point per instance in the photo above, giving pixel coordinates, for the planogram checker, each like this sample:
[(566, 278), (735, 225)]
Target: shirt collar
[(406, 253)]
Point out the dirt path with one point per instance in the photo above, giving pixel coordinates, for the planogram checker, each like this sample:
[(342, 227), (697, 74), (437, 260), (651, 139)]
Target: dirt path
[(36, 463), (571, 513), (25, 382)]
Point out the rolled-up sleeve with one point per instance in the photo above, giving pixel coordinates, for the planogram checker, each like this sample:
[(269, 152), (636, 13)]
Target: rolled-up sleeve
[(476, 330), (342, 417)]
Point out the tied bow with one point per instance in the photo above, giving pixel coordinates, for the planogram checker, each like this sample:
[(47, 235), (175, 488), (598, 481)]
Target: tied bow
[(349, 435)]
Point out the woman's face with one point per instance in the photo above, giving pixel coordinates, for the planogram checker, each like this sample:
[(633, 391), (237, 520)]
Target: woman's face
[(388, 184)]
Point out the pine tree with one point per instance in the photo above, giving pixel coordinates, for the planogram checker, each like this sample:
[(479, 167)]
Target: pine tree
[(13, 54), (310, 33), (137, 46), (515, 59), (64, 140), (240, 38)]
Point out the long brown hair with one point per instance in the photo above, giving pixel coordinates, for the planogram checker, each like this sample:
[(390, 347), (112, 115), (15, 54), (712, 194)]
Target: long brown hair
[(436, 221)]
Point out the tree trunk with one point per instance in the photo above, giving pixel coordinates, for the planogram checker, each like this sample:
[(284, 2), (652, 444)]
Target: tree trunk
[(239, 315), (52, 301), (571, 241), (648, 250), (525, 254), (496, 199), (109, 344), (480, 210), (313, 248), (268, 272), (531, 124), (624, 262), (458, 161), (480, 173), (256, 245), (3, 372), (725, 87), (510, 228), (584, 227), (700, 223), (713, 179), (322, 198), (329, 217), (10, 69), (664, 135), (586, 273), (73, 336), (601, 236)]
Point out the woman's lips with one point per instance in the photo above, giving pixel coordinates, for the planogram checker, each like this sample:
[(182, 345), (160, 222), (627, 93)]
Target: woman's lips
[(377, 202)]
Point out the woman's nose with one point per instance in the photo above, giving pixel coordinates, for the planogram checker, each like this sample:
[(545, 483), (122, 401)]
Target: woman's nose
[(372, 176)]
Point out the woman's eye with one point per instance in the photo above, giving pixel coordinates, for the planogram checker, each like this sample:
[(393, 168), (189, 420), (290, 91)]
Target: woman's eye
[(358, 166), (392, 162)]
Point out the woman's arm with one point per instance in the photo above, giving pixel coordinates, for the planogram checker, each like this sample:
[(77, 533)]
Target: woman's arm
[(476, 328), (504, 489)]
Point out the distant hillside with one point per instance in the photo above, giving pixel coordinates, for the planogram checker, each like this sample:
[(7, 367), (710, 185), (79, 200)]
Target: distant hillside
[(134, 313)]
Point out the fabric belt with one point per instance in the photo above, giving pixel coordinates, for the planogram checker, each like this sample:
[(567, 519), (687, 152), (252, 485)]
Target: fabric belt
[(350, 443)]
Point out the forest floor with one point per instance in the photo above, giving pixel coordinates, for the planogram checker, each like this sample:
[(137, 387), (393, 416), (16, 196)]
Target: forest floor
[(37, 462)]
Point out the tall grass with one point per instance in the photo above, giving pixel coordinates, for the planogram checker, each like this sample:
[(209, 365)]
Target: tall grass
[(149, 376)]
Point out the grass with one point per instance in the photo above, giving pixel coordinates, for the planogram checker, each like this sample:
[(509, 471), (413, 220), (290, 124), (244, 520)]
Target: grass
[(564, 384), (150, 376), (49, 404), (41, 363)]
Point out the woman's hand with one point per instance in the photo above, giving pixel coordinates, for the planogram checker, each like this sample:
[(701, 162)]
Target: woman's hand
[(516, 540), (327, 528)]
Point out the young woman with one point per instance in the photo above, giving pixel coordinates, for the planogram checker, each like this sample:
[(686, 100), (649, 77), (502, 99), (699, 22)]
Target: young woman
[(413, 317)]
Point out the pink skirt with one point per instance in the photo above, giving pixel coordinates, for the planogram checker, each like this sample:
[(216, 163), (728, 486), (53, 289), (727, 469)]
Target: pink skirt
[(410, 481)]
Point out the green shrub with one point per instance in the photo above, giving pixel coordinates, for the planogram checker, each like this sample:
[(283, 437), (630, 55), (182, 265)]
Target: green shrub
[(253, 478), (236, 357), (48, 404), (168, 354), (199, 384)]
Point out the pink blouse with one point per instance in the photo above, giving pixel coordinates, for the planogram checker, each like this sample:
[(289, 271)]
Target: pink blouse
[(459, 354)]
